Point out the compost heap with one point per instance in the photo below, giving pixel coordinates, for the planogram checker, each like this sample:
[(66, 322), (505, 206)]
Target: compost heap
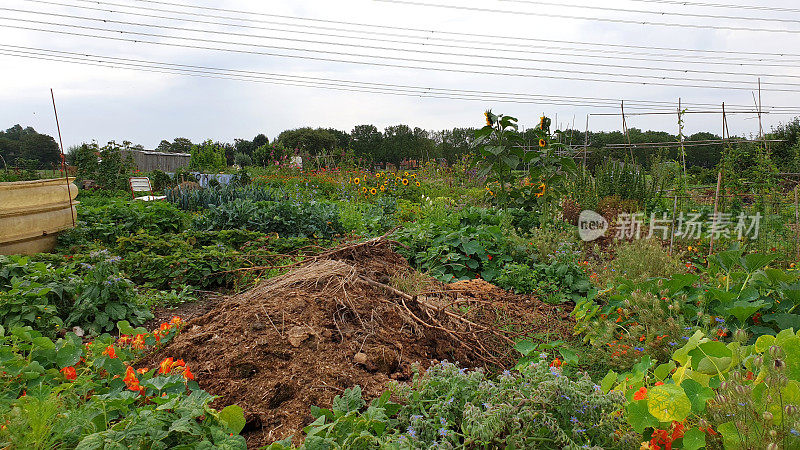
[(332, 323)]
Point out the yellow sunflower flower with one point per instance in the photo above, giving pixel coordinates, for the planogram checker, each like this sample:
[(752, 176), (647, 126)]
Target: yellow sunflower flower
[(356, 181), (542, 143), (373, 191), (405, 181)]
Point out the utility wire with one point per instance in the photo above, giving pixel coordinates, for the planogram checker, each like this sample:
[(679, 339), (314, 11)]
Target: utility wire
[(427, 42), (316, 82), (383, 48), (590, 18), (381, 29), (658, 13), (227, 75), (720, 5), (715, 83)]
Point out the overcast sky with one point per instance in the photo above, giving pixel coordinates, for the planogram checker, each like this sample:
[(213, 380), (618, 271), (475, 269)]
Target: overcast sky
[(145, 106)]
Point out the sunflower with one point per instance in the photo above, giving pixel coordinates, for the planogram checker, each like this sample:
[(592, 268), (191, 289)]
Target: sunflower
[(417, 183), (405, 173), (542, 143), (364, 189), (541, 122), (405, 181), (378, 175), (373, 191), (488, 115), (356, 181), (383, 188)]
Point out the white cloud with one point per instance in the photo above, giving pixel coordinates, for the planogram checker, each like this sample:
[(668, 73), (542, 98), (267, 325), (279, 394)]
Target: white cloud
[(145, 107)]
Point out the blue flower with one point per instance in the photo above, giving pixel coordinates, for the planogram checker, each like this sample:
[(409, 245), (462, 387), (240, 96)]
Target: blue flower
[(638, 349), (794, 432), (573, 419), (411, 432), (688, 328), (719, 319), (443, 421), (506, 373), (486, 405), (673, 344), (685, 338), (416, 417), (443, 431)]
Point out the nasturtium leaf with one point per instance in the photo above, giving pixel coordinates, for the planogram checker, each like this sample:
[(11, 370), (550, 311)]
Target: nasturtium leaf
[(698, 395), (232, 416), (608, 381), (68, 355), (784, 335), (569, 356), (731, 437), (791, 348), (784, 320), (682, 354), (639, 417), (763, 343), (668, 403), (663, 371), (694, 439), (711, 357), (525, 347)]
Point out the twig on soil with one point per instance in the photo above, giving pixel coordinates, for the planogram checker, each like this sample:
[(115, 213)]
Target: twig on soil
[(270, 320)]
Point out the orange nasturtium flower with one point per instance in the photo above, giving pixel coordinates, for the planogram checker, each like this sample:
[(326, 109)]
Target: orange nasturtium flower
[(110, 351), (165, 366), (187, 374), (131, 381), (69, 373), (556, 363), (641, 394)]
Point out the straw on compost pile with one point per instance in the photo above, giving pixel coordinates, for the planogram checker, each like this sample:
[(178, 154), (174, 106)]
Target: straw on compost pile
[(302, 338)]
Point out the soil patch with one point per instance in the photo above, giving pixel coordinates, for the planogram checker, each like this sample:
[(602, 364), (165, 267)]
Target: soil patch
[(302, 338)]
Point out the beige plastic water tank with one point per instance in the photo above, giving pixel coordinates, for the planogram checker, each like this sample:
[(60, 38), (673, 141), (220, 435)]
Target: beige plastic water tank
[(33, 212)]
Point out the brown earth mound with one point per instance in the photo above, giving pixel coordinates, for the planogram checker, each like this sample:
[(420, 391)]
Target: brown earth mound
[(302, 338)]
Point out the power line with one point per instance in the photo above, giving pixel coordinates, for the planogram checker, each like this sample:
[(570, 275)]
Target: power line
[(589, 18), (382, 48), (715, 82), (721, 5), (307, 81), (659, 13), (307, 30), (238, 75), (381, 29)]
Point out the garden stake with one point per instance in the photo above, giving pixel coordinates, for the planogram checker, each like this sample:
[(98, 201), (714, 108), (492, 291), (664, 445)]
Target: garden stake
[(63, 166), (714, 220), (796, 223), (672, 229)]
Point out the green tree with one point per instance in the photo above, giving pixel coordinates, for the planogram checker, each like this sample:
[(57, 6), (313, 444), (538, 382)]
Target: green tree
[(309, 140), (208, 156)]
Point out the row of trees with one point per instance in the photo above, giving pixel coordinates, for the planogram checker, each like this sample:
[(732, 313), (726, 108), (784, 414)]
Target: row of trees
[(27, 149), (24, 147)]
